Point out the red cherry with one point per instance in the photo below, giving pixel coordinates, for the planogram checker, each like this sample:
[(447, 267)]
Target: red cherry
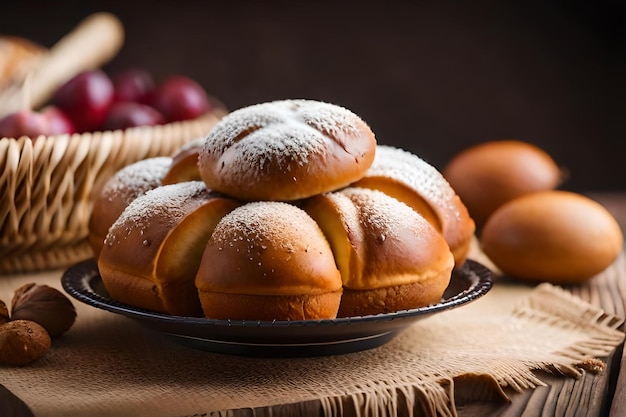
[(50, 121), (86, 99), (180, 98), (133, 85), (58, 122), (128, 114), (23, 123)]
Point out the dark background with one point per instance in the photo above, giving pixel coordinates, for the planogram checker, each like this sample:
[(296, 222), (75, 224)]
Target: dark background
[(432, 77)]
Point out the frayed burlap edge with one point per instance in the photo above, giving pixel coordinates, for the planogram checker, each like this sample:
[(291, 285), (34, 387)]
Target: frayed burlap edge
[(434, 395)]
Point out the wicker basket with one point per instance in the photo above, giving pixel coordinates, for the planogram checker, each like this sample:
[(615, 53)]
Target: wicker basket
[(47, 187)]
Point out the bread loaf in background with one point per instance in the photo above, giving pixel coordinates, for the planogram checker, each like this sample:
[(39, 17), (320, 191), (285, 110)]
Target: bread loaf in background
[(491, 173), (555, 236)]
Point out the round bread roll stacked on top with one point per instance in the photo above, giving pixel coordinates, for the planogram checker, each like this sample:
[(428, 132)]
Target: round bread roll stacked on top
[(152, 251), (286, 150), (390, 257), (421, 186), (119, 191), (283, 234)]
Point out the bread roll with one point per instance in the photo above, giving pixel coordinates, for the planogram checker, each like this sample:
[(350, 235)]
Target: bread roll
[(125, 185), (390, 257), (554, 236), (18, 56), (152, 251), (410, 179), (491, 173), (268, 261), (184, 165), (286, 150)]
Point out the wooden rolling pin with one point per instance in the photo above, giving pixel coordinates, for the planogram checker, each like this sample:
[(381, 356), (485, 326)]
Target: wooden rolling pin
[(94, 42)]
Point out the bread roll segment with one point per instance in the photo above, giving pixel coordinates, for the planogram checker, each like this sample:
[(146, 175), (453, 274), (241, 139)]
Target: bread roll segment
[(184, 165), (268, 261), (286, 150), (151, 253), (119, 191), (390, 257), (410, 179)]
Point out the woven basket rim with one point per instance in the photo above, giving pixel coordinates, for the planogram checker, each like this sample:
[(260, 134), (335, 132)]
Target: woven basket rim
[(48, 183)]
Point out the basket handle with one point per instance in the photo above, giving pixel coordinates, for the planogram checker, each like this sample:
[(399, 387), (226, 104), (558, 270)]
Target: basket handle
[(95, 41)]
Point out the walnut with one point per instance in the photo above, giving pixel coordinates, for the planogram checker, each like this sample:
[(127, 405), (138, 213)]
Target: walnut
[(4, 313), (22, 342), (44, 305)]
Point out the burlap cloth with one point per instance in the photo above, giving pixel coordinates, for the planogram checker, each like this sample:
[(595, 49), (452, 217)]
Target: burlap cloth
[(108, 365)]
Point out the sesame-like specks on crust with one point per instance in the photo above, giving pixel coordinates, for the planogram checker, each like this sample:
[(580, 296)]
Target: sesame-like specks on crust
[(258, 224), (268, 247), (165, 202), (409, 178)]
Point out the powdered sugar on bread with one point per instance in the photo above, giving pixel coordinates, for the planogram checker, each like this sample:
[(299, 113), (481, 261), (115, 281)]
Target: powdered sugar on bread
[(136, 179), (286, 150), (165, 204)]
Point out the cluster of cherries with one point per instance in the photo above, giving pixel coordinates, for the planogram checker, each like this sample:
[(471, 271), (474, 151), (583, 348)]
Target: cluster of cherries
[(92, 101)]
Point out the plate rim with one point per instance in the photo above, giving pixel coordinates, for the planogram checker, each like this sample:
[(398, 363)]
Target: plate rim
[(76, 279)]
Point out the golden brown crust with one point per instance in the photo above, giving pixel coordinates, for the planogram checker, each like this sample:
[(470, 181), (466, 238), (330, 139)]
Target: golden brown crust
[(265, 307), (269, 248), (286, 150), (182, 249), (491, 173), (555, 236), (389, 256), (273, 250), (118, 192), (408, 178), (133, 289), (184, 165), (152, 252), (392, 299)]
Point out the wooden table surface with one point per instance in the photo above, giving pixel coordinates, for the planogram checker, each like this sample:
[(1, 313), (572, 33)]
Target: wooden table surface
[(594, 395), (602, 394)]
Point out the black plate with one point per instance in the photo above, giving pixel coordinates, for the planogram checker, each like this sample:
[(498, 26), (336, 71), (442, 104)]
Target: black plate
[(279, 338)]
